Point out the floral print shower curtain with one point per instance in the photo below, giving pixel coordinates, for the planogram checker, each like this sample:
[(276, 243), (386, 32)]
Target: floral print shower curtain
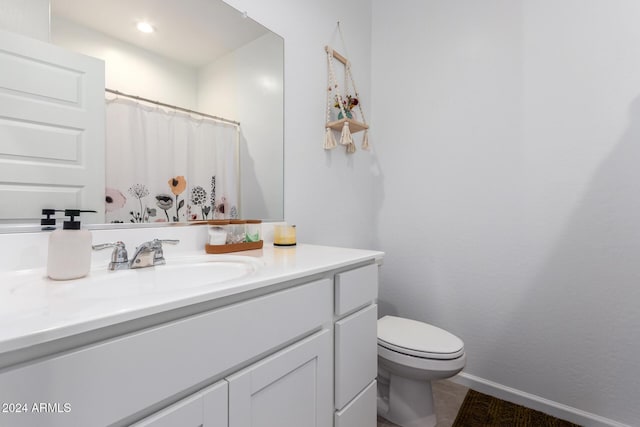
[(167, 166)]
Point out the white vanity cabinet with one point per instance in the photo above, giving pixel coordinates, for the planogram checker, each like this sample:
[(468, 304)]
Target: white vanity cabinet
[(296, 353), (208, 408), (116, 379), (289, 388), (356, 352)]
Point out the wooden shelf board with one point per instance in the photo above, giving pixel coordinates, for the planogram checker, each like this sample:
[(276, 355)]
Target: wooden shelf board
[(337, 55), (354, 125)]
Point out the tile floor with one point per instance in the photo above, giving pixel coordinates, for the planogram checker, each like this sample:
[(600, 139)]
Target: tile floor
[(448, 398)]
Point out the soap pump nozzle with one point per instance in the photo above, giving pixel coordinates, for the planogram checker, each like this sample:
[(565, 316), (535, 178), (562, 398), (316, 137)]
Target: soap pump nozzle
[(49, 223), (72, 224)]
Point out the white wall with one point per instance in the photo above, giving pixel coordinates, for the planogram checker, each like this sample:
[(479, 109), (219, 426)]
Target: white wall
[(30, 18), (329, 196), (219, 86), (129, 68), (247, 85), (260, 97), (510, 193)]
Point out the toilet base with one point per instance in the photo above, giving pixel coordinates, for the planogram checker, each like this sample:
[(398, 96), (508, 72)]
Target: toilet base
[(409, 402)]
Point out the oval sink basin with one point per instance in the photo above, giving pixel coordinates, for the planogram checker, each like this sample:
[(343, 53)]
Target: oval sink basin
[(178, 274), (209, 272)]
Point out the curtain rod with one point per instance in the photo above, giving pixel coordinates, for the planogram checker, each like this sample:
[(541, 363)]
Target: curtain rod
[(162, 104)]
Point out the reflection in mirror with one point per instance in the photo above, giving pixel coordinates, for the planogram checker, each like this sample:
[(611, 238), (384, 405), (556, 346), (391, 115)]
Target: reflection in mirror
[(203, 56), (169, 166)]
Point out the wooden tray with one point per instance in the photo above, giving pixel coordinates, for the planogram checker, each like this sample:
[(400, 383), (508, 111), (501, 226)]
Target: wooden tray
[(234, 247)]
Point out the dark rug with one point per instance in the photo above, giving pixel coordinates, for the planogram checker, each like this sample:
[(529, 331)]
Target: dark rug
[(480, 410)]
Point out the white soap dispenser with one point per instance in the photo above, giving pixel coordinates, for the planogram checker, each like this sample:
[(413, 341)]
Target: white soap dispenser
[(69, 249)]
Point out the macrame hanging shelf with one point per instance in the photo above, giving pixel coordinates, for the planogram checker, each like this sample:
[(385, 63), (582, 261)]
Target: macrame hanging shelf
[(347, 124)]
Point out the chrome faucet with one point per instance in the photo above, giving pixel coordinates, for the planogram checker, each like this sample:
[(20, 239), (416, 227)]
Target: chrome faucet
[(150, 253), (147, 254)]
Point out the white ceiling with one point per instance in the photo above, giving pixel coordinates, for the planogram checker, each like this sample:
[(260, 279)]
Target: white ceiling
[(194, 32)]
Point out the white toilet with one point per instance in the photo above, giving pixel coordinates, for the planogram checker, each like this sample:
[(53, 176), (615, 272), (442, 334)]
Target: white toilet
[(410, 355)]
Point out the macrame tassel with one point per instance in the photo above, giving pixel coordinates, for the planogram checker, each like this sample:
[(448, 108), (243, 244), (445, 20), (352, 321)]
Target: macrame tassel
[(365, 140), (346, 138), (351, 148), (329, 140)]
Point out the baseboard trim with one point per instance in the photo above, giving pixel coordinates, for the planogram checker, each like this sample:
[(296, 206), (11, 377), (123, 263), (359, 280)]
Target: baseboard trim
[(532, 401)]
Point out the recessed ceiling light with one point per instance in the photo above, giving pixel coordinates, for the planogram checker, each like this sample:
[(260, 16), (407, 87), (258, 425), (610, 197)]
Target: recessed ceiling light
[(145, 27)]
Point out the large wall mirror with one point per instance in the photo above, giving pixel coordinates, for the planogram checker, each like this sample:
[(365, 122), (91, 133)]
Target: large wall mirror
[(204, 56)]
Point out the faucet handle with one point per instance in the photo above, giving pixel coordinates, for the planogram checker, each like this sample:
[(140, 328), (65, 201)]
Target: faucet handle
[(168, 241), (119, 256), (157, 243)]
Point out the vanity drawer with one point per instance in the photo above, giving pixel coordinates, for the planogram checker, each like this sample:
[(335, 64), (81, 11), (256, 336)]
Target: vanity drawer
[(356, 354), (355, 288), (361, 411), (138, 370)]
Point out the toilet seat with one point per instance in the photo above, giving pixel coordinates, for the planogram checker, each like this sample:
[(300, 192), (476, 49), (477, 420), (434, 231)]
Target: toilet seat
[(418, 339)]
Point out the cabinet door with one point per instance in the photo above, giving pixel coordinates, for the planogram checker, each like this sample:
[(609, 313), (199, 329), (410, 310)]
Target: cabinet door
[(215, 405), (207, 408), (289, 388)]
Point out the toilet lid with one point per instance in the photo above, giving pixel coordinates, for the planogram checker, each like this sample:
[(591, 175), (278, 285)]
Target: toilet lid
[(418, 339)]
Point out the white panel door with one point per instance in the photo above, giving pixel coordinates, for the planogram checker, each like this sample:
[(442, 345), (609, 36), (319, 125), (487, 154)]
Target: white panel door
[(290, 388), (51, 130)]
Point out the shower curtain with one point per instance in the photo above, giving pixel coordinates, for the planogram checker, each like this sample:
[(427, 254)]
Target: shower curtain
[(166, 166)]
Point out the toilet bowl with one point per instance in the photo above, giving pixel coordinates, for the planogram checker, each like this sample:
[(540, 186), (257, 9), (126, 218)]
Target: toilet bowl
[(410, 355)]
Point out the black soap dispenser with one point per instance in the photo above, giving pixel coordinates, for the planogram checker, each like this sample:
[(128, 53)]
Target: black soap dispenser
[(69, 249)]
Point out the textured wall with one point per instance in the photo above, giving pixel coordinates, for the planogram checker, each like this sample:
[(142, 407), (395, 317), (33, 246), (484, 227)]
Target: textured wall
[(511, 190)]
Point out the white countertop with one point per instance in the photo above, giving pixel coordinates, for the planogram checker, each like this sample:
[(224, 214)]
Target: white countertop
[(37, 311)]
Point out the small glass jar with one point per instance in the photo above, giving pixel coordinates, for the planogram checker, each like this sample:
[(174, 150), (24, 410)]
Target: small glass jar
[(284, 235), (218, 231), (237, 231), (253, 230)]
